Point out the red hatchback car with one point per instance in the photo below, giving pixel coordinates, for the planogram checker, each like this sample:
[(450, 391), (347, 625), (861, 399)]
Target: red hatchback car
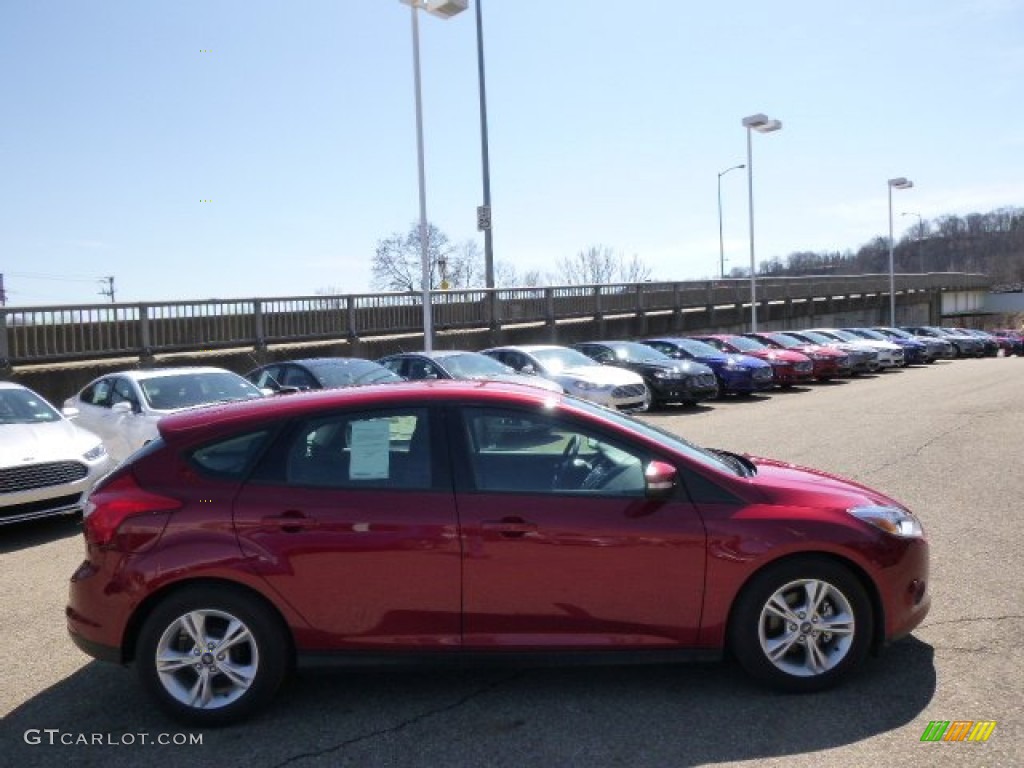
[(422, 521), (789, 367)]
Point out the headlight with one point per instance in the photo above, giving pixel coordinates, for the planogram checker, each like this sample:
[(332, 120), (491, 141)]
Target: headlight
[(892, 520), (663, 374), (95, 453), (587, 386)]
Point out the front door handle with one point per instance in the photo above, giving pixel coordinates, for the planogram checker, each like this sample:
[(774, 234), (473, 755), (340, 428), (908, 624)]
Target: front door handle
[(509, 527)]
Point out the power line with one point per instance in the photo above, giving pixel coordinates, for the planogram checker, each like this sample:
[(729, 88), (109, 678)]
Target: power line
[(42, 276)]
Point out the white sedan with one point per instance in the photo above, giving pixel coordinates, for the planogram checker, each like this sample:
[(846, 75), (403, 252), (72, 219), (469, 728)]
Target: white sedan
[(47, 463), (123, 408), (889, 355), (577, 374)]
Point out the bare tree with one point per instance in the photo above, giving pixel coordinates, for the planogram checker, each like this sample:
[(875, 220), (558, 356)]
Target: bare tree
[(600, 264), (633, 271), (465, 265), (397, 262)]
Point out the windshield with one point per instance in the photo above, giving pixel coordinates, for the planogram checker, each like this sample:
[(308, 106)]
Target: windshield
[(23, 406), (867, 333), (635, 352), (697, 348), (351, 373), (556, 359), (469, 365), (744, 344), (897, 333), (184, 390), (664, 437), (785, 341), (817, 338)]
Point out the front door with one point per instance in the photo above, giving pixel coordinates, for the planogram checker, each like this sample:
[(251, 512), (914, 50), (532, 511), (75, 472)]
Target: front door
[(561, 546)]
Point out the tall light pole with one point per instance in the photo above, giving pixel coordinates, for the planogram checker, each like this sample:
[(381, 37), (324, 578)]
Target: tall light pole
[(920, 236), (898, 183), (444, 9), (484, 215), (721, 240), (761, 124)]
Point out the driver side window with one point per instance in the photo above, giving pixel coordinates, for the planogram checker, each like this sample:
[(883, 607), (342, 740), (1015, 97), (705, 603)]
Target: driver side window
[(521, 452)]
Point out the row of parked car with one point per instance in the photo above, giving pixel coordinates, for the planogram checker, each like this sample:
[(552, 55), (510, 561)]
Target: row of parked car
[(49, 458)]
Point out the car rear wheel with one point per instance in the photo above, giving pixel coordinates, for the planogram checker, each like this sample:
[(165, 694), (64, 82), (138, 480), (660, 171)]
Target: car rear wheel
[(211, 656), (802, 625)]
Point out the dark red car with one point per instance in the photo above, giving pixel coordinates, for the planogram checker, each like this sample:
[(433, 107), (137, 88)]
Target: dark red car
[(829, 363), (789, 367), (406, 522)]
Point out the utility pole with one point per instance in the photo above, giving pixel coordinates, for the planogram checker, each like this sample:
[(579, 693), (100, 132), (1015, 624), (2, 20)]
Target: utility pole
[(109, 290), (3, 293)]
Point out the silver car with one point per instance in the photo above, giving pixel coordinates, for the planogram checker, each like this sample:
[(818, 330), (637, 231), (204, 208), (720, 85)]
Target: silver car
[(577, 374), (47, 463)]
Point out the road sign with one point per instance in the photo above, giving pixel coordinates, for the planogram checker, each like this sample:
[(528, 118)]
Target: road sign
[(483, 218)]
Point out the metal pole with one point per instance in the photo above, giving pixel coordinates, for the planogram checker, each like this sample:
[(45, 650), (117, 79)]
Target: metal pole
[(428, 329), (484, 156), (721, 241), (750, 205), (892, 272)]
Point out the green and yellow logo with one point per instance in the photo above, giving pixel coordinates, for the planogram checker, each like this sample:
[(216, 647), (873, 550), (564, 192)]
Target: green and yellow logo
[(958, 730)]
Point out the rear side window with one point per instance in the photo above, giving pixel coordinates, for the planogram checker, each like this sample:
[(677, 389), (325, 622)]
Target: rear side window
[(231, 458), (382, 449)]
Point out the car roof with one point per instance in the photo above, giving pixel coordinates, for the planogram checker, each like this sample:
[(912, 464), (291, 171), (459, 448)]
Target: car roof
[(154, 373), (11, 385), (527, 347), (321, 361), (368, 396)]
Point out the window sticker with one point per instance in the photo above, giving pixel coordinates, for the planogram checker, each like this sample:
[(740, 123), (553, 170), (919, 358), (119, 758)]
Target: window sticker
[(370, 452)]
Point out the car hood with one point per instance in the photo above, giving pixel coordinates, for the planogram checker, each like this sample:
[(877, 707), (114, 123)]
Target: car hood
[(600, 374), (794, 485), (779, 355), (47, 441), (678, 367)]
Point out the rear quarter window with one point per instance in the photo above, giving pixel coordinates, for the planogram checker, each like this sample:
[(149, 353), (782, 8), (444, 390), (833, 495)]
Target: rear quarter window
[(230, 458)]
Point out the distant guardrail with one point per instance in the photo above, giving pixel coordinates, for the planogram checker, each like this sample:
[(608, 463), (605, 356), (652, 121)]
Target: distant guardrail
[(40, 334)]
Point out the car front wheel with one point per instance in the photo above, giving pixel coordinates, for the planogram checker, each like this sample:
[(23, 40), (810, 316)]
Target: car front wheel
[(802, 625), (211, 656)]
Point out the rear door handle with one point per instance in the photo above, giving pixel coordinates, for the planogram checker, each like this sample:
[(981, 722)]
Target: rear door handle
[(509, 527), (290, 521)]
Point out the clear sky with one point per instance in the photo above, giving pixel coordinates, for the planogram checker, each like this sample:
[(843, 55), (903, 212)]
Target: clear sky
[(609, 122)]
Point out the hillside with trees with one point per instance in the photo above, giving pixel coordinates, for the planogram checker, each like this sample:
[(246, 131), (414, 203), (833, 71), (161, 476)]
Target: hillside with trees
[(990, 243)]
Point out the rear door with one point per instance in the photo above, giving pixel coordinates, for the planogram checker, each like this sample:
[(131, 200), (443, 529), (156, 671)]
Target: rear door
[(352, 519)]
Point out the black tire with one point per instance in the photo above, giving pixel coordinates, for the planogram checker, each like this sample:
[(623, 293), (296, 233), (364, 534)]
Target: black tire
[(260, 657), (812, 660)]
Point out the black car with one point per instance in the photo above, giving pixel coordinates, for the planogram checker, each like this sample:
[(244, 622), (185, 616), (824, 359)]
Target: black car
[(670, 381), (320, 373)]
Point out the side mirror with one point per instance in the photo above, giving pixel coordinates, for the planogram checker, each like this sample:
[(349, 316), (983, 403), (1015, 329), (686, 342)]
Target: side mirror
[(659, 480), (69, 412), (528, 369), (123, 407)]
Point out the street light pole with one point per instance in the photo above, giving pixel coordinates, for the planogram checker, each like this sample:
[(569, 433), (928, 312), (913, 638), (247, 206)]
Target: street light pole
[(920, 236), (898, 183), (721, 240), (484, 156), (444, 9), (761, 124)]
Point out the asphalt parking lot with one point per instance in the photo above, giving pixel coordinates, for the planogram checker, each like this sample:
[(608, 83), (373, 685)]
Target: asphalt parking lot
[(947, 440)]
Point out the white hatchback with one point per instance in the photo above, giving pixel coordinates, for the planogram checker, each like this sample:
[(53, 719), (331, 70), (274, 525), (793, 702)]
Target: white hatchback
[(577, 374), (123, 408), (47, 463)]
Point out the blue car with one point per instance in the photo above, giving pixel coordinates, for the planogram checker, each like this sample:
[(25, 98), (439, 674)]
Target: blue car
[(736, 373)]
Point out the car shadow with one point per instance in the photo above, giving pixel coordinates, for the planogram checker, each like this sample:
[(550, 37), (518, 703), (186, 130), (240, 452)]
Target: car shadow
[(18, 536), (683, 715)]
